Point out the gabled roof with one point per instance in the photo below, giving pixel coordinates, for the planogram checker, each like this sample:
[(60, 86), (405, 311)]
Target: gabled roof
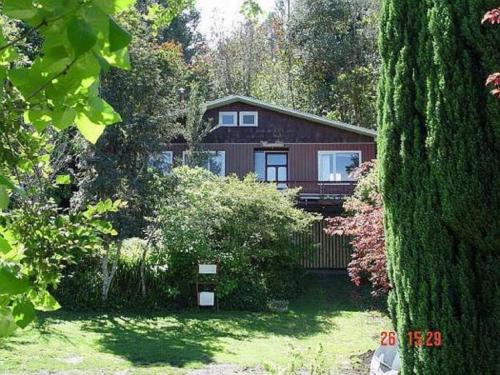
[(306, 116)]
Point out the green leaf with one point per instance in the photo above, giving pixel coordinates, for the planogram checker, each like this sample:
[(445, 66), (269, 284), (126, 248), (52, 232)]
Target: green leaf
[(7, 323), (10, 284), (4, 300), (6, 182), (44, 301), (27, 80), (90, 130), (119, 58), (81, 36), (63, 117), (118, 37), (40, 119), (23, 313), (4, 198), (63, 179), (4, 245), (101, 112), (22, 9), (113, 6), (7, 54)]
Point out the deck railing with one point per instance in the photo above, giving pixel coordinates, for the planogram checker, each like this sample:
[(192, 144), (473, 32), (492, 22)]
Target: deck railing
[(321, 189)]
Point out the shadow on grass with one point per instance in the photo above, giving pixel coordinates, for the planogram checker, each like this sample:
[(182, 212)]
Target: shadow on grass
[(193, 337)]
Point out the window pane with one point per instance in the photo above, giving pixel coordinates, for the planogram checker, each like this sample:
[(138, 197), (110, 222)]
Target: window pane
[(248, 119), (345, 163), (281, 186), (162, 162), (326, 171), (216, 164), (282, 174), (271, 174), (260, 165), (276, 159), (228, 119)]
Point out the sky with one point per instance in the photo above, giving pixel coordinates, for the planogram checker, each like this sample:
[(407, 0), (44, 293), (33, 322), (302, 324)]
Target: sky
[(228, 10)]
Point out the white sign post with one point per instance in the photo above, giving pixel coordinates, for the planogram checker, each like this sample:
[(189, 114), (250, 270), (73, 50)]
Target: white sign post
[(205, 288)]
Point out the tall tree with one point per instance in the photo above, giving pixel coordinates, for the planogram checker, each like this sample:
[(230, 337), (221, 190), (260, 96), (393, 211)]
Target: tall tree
[(336, 40), (236, 56), (439, 150), (148, 100)]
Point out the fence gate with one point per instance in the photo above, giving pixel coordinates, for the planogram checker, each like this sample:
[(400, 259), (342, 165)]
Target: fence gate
[(328, 252)]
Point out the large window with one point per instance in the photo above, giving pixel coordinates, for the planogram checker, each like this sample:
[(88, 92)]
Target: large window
[(162, 162), (228, 118), (249, 119), (337, 165), (272, 167), (214, 161)]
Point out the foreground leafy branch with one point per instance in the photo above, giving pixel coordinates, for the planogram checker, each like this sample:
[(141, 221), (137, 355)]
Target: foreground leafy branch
[(57, 89)]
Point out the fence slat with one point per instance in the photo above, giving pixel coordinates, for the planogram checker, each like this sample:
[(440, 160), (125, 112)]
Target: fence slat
[(322, 251)]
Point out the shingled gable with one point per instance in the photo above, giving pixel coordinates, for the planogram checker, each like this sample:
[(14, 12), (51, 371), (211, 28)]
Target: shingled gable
[(291, 112)]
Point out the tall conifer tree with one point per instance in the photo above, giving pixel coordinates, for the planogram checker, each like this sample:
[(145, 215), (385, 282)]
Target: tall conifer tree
[(439, 145)]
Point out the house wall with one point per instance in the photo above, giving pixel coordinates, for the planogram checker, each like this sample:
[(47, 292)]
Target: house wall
[(277, 127), (302, 157), (302, 139)]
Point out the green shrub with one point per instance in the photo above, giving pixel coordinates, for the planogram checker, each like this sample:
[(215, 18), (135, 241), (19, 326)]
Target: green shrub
[(245, 226), (80, 287)]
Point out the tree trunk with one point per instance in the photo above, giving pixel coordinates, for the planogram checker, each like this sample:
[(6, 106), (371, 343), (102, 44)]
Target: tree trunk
[(109, 273), (143, 270), (439, 137)]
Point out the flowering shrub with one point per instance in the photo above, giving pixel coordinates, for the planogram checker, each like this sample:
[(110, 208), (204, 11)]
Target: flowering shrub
[(365, 224)]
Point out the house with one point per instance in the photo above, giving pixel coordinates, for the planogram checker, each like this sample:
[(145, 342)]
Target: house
[(284, 146), (290, 149)]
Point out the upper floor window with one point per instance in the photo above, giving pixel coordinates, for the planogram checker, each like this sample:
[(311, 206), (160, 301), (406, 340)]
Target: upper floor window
[(213, 161), (162, 162), (228, 118), (337, 165), (249, 119)]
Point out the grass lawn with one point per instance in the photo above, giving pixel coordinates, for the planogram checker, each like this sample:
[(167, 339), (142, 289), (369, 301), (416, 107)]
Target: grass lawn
[(331, 314)]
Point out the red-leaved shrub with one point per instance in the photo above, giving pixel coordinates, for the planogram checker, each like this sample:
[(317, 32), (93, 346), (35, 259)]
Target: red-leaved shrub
[(364, 224)]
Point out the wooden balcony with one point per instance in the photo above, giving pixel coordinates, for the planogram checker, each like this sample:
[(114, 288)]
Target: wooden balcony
[(321, 190)]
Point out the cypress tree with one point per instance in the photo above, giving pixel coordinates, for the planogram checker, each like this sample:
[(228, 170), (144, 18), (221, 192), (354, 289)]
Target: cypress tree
[(439, 152)]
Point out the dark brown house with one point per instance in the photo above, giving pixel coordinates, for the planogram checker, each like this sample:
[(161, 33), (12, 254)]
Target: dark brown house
[(283, 146), (290, 149)]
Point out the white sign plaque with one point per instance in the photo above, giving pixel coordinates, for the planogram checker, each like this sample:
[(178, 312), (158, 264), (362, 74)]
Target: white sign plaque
[(207, 269), (207, 298)]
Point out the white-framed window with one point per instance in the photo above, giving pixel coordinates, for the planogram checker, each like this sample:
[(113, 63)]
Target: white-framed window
[(228, 118), (337, 165), (162, 161), (213, 161), (249, 118)]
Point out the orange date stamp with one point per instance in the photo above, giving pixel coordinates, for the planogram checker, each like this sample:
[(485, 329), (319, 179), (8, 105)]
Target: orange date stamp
[(415, 338)]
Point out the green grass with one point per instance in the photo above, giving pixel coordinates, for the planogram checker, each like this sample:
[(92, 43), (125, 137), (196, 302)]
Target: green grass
[(343, 319)]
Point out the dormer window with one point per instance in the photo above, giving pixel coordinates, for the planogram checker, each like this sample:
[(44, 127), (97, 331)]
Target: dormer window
[(249, 119), (228, 118)]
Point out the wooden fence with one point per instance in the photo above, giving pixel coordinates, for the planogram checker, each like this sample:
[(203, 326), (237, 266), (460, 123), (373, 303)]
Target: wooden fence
[(322, 251)]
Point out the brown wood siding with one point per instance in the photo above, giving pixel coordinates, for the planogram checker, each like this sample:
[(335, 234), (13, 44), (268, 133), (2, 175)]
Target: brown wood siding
[(239, 157), (302, 158), (277, 127)]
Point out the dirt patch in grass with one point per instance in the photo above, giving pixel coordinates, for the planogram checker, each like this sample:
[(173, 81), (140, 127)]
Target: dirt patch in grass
[(227, 369), (360, 364)]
